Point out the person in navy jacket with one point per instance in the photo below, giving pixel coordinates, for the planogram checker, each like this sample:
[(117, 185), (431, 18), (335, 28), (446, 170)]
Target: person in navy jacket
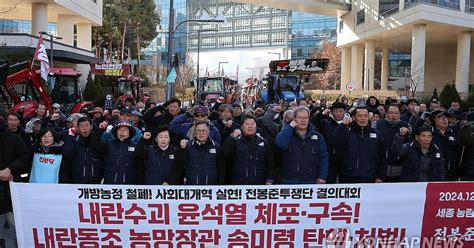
[(388, 128), (422, 160), (121, 164), (362, 148), (87, 157), (161, 167), (305, 155), (249, 156), (201, 157)]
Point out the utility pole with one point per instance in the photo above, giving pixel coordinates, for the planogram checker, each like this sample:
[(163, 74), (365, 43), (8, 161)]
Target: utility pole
[(170, 86)]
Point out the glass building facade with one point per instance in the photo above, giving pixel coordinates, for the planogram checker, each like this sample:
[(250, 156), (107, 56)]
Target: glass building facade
[(159, 46), (245, 26), (20, 26), (308, 31)]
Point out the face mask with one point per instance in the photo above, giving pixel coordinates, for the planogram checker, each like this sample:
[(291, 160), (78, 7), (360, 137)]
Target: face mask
[(276, 116)]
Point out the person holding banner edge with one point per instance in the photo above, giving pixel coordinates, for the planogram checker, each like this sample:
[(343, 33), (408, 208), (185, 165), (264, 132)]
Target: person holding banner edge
[(14, 158)]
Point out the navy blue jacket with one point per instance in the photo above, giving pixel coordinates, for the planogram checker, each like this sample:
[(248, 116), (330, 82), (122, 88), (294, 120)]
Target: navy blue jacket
[(203, 165), (252, 160), (328, 126), (304, 158), (363, 151), (388, 131), (87, 159), (416, 166), (449, 146), (160, 165), (121, 165)]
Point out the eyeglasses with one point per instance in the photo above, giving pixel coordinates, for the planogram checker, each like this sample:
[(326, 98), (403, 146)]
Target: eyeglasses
[(200, 115)]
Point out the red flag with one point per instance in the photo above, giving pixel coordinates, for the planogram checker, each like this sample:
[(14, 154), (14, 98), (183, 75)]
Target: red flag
[(40, 55)]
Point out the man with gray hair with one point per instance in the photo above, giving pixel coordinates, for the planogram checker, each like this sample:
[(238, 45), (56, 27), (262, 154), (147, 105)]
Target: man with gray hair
[(305, 155)]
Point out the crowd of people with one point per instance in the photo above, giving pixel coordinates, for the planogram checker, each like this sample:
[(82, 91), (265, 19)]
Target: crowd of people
[(303, 142)]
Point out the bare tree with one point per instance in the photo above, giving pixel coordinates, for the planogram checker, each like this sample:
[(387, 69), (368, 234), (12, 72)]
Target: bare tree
[(185, 74), (413, 79), (11, 9)]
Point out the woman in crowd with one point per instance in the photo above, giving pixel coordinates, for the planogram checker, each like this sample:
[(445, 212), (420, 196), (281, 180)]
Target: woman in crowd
[(161, 167), (49, 165)]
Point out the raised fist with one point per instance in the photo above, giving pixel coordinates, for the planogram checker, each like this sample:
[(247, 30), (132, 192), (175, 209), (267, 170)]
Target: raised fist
[(347, 120), (403, 131), (326, 111), (103, 125), (236, 133), (183, 143), (147, 135)]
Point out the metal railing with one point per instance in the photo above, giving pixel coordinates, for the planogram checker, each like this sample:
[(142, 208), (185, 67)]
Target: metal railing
[(388, 12), (440, 3)]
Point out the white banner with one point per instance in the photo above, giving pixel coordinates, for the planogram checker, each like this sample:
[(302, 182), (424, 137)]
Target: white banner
[(299, 216)]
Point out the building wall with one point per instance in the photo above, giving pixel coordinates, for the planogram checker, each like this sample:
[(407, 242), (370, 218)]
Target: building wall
[(89, 9), (441, 68), (374, 24)]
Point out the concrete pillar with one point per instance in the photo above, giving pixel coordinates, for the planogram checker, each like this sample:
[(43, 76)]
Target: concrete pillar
[(401, 5), (462, 6), (385, 67), (418, 46), (345, 67), (462, 62), (84, 36), (66, 28), (39, 18), (357, 58), (369, 61)]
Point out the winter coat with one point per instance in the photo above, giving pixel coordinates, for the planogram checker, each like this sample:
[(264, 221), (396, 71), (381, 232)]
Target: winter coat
[(160, 165), (87, 159), (417, 166), (362, 150), (15, 156), (203, 163), (250, 159), (304, 158)]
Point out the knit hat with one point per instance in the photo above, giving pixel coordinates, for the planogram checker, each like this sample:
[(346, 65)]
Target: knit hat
[(123, 124)]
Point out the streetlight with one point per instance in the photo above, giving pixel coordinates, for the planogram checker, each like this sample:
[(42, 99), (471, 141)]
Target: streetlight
[(219, 70), (172, 30), (199, 47), (51, 37), (279, 55)]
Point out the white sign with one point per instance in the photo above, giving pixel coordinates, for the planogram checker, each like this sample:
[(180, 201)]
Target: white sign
[(52, 215)]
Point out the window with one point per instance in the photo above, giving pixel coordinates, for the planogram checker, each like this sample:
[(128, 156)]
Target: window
[(341, 26), (360, 17), (300, 52)]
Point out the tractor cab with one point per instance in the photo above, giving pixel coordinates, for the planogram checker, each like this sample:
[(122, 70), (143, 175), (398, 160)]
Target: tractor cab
[(129, 86), (63, 87)]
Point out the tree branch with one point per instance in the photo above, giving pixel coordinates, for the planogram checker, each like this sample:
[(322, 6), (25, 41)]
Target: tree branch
[(11, 9)]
